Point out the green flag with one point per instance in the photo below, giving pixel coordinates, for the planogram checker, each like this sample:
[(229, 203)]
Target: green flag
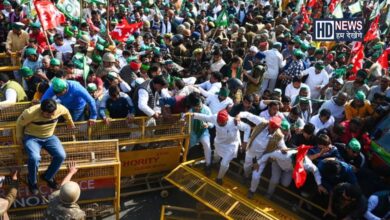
[(222, 19), (85, 69), (102, 2), (70, 8), (338, 11), (355, 8), (298, 6), (377, 8)]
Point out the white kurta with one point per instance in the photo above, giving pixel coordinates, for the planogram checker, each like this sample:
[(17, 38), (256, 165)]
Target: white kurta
[(316, 81), (227, 138), (275, 62), (284, 162)]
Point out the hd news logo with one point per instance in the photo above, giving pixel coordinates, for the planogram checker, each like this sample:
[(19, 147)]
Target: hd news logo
[(338, 30)]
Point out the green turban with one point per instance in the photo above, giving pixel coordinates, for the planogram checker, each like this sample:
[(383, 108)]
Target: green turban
[(145, 67), (30, 51), (354, 145), (299, 54), (224, 92), (58, 85), (26, 72), (360, 96), (340, 72), (99, 47), (91, 87), (285, 125), (319, 65), (55, 62), (97, 59)]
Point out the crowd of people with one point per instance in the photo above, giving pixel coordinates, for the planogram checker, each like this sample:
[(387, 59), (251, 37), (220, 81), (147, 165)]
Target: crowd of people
[(257, 85)]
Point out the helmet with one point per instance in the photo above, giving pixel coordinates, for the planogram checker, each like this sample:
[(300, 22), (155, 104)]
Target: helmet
[(177, 39), (109, 57), (69, 192), (187, 32), (234, 84)]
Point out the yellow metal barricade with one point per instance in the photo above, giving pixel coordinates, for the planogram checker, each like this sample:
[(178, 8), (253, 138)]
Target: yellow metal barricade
[(180, 213), (98, 176), (13, 59), (11, 113), (224, 199)]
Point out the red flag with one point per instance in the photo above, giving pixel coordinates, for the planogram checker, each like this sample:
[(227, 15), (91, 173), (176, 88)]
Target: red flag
[(382, 60), (311, 3), (49, 16), (306, 18), (357, 62), (123, 30), (332, 5), (299, 172), (373, 33), (356, 47)]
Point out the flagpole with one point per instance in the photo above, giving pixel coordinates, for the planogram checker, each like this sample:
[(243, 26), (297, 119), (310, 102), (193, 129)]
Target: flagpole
[(44, 31), (108, 17)]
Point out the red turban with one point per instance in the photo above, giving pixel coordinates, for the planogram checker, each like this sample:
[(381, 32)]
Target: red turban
[(222, 116), (135, 65), (263, 44), (275, 122)]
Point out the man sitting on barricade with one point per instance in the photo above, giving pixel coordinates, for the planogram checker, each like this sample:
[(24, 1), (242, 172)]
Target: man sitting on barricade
[(35, 128)]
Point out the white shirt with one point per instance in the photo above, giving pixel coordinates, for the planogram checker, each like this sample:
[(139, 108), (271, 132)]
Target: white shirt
[(318, 124), (261, 140), (293, 92), (65, 48), (217, 66), (285, 163), (10, 98), (275, 62), (215, 105), (336, 110), (227, 138), (207, 88), (314, 80), (265, 114), (143, 98), (377, 89), (372, 203)]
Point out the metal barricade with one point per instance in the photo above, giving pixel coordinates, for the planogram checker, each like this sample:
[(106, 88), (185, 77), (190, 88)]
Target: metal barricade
[(98, 176)]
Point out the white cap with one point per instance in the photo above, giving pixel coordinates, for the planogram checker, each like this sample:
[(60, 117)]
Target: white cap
[(137, 82), (253, 49)]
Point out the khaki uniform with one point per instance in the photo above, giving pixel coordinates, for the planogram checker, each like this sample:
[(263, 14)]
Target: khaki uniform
[(56, 210), (240, 43)]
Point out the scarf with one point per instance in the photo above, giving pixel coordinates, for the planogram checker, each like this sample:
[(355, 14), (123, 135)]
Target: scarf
[(197, 125)]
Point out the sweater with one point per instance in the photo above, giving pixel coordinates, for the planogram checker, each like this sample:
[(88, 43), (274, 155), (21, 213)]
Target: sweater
[(31, 122)]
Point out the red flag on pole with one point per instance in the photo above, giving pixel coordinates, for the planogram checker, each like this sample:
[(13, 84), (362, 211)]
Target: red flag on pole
[(356, 47), (373, 32), (299, 172), (382, 60), (123, 30), (357, 62), (332, 5), (311, 3), (49, 16), (305, 15)]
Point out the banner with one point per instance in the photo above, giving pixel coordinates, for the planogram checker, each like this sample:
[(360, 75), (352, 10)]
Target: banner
[(149, 161)]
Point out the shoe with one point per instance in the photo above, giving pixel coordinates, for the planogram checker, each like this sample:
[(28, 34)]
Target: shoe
[(207, 170), (218, 181), (33, 189), (246, 180), (51, 183), (250, 194)]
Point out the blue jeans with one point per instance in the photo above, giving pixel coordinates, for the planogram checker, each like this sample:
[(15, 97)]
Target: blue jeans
[(33, 146), (77, 114)]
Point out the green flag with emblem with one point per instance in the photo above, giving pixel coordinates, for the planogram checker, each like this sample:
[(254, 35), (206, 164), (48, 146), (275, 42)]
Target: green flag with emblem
[(222, 19), (70, 8)]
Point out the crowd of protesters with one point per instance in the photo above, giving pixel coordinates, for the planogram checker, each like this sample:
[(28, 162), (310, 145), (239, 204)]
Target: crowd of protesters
[(248, 68)]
